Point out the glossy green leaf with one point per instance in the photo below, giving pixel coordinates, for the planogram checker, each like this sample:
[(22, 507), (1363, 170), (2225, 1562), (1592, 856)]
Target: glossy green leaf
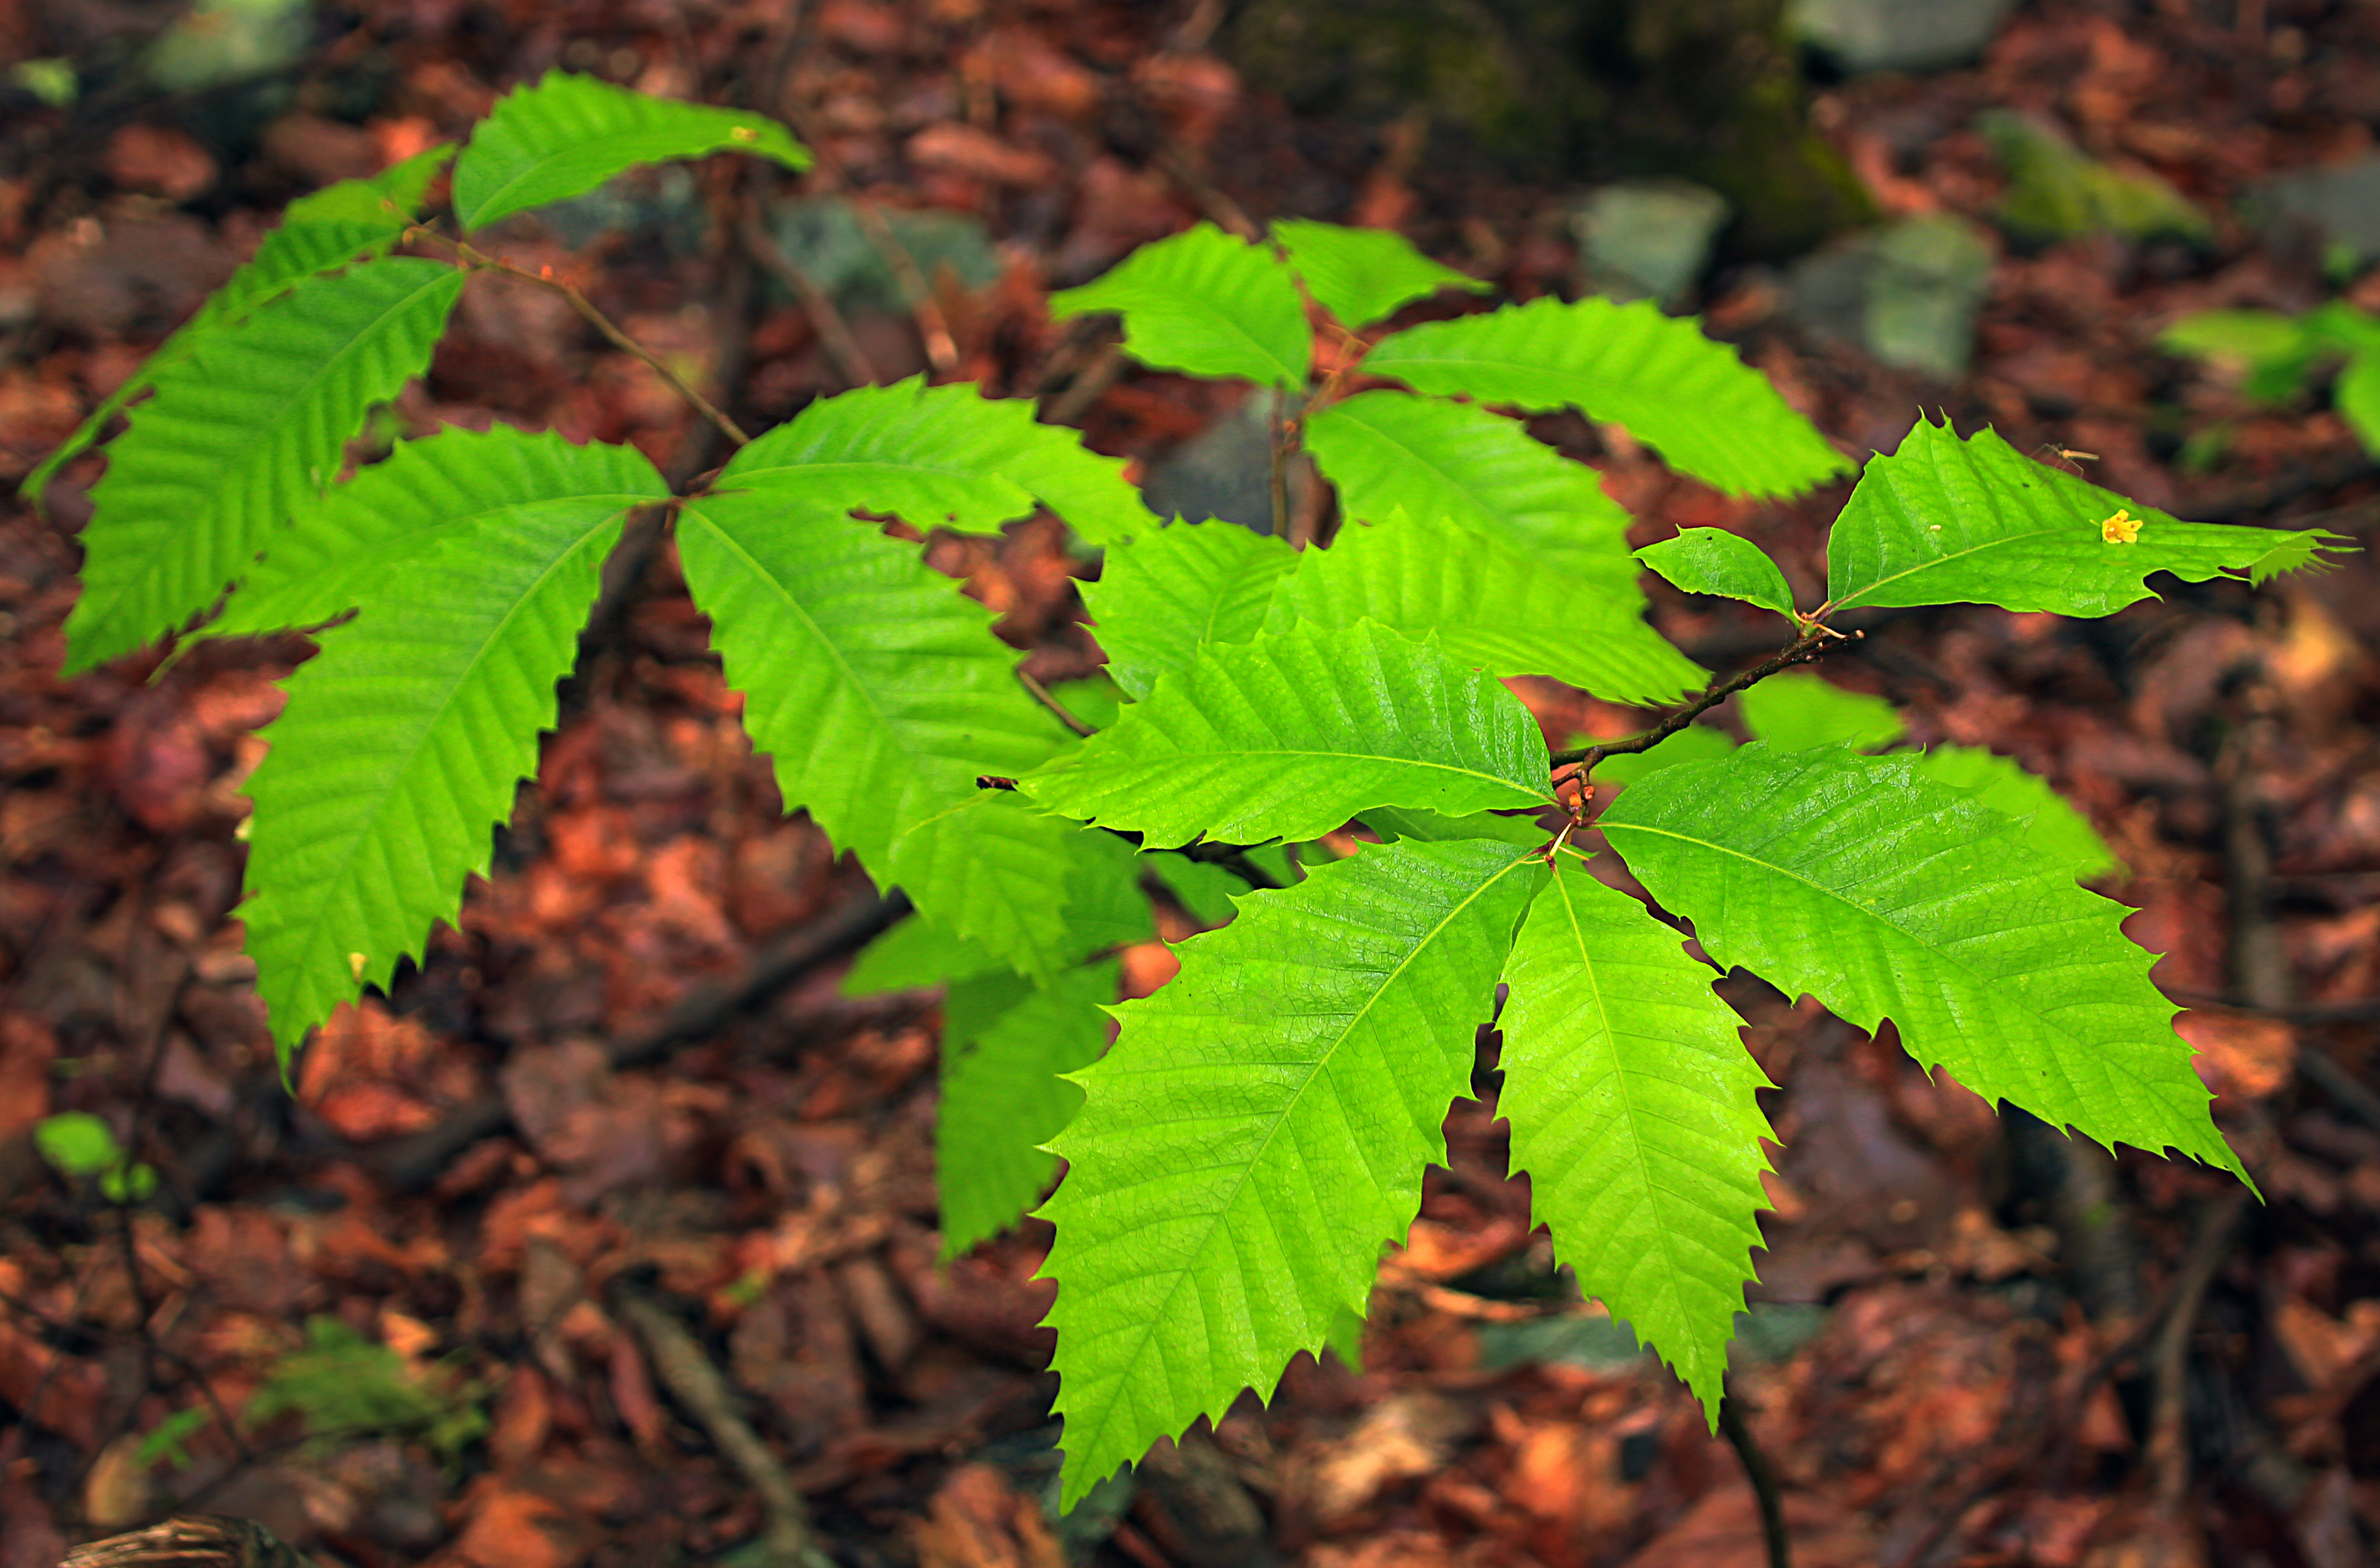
[(1945, 521), (917, 955), (2048, 822), (568, 134), (1204, 302), (882, 696), (1292, 734), (1715, 561), (356, 219), (1491, 606), (1631, 1098), (1483, 472), (1796, 711), (1362, 275), (405, 739), (939, 456), (240, 436), (1885, 895), (1695, 743), (1207, 893), (1397, 821), (1259, 1131), (1686, 396), (1003, 1098), (1168, 594)]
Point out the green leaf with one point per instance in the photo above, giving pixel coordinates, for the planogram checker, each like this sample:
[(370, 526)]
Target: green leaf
[(880, 695), (330, 228), (1208, 893), (1172, 591), (405, 739), (1715, 561), (1038, 893), (1292, 734), (1631, 1098), (1003, 1100), (241, 435), (443, 489), (917, 955), (77, 1143), (1797, 710), (568, 134), (2049, 823), (1678, 391), (939, 456), (992, 872), (1945, 521), (1490, 605), (1481, 471), (1695, 743), (2358, 397), (2244, 338), (1885, 895), (1204, 302), (1259, 1130), (2057, 192), (1395, 823), (1362, 275)]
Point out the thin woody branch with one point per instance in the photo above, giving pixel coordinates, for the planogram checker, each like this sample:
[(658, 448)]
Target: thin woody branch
[(481, 261), (1801, 650)]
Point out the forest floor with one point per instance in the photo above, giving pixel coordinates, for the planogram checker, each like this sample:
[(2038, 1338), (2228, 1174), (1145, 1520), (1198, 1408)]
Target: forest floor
[(630, 1079)]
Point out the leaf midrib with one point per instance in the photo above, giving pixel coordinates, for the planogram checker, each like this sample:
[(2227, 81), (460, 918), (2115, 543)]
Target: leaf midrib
[(794, 606), (1315, 1068), (1876, 917), (430, 726), (221, 496)]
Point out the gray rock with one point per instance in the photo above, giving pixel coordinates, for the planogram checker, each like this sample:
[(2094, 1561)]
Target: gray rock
[(1225, 471), (1907, 294), (1650, 238), (2339, 204), (823, 236), (1896, 35)]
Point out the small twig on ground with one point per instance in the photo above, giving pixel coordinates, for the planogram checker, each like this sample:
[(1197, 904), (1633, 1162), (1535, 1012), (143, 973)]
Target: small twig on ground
[(1763, 1476), (190, 1540), (851, 362), (602, 323), (2168, 1443), (1043, 695), (1801, 650), (412, 1163), (788, 1540)]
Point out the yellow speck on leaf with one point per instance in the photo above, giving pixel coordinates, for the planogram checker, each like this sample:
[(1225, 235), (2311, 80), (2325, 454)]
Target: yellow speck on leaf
[(2121, 528), (356, 966), (744, 133)]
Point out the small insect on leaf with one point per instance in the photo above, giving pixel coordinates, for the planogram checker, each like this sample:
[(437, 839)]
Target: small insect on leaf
[(2121, 528)]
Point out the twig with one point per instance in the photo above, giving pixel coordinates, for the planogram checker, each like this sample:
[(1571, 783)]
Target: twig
[(789, 1541), (481, 261), (2169, 1445), (1801, 650), (1763, 1476), (834, 333), (1277, 478), (411, 1163), (933, 327), (1043, 695), (191, 1541)]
